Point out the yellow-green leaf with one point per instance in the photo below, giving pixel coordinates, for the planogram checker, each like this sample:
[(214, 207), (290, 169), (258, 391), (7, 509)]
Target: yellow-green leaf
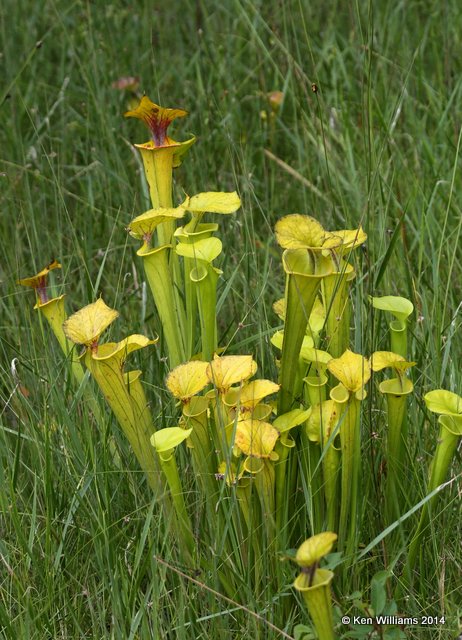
[(188, 379), (444, 402), (290, 419), (255, 438), (318, 357), (212, 202), (120, 350), (224, 371), (350, 239), (253, 392), (145, 224), (401, 308), (169, 438), (296, 231), (315, 548), (383, 359), (86, 326), (351, 369), (206, 249)]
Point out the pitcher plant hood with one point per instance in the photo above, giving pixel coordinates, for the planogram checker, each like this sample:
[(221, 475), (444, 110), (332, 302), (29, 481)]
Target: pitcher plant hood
[(86, 326), (39, 282), (351, 369), (158, 120)]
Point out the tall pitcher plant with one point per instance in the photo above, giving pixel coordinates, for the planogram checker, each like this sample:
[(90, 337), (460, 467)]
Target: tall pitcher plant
[(181, 294), (314, 263)]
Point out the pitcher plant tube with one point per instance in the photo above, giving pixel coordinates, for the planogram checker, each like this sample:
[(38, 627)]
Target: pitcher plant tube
[(161, 281), (448, 406), (321, 427), (185, 382), (401, 309), (122, 391), (203, 277), (164, 442), (313, 583), (336, 288), (304, 242), (55, 314), (198, 284), (223, 372), (353, 372), (396, 390)]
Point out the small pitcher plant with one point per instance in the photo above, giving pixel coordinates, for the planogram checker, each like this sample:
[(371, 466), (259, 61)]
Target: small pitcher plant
[(55, 314), (401, 309), (313, 583)]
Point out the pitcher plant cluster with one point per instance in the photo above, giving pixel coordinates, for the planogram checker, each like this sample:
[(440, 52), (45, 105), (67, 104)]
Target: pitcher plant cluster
[(252, 442)]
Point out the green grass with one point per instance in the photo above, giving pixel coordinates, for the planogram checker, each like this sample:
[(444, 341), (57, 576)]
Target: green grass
[(82, 551)]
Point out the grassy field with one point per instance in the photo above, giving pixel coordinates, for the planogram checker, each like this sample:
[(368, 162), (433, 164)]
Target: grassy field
[(83, 550)]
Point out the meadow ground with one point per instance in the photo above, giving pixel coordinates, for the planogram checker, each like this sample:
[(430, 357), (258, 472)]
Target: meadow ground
[(81, 545)]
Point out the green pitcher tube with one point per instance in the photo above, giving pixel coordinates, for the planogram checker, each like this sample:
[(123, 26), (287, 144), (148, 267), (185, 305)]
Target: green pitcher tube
[(304, 271), (318, 599), (396, 391), (55, 314), (161, 284), (335, 291)]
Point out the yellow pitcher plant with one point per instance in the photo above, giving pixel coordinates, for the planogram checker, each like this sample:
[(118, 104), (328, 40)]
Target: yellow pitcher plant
[(165, 442), (54, 312), (313, 583), (448, 406), (305, 243), (335, 290), (160, 277), (200, 278), (396, 390), (401, 309), (266, 459), (160, 155), (353, 371), (176, 293), (123, 391), (322, 428)]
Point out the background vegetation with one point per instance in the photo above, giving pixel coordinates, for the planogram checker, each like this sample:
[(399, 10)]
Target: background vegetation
[(378, 144)]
